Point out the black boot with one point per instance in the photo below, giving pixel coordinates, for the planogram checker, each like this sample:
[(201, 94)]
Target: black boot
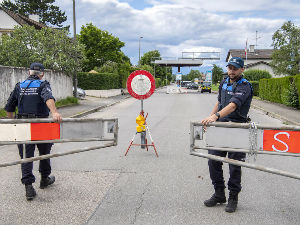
[(232, 202), (217, 197), (45, 182), (30, 192)]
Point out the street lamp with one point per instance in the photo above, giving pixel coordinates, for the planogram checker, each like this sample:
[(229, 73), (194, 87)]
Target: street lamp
[(140, 49)]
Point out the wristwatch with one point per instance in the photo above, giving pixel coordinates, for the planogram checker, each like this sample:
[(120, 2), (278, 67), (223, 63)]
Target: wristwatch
[(218, 115)]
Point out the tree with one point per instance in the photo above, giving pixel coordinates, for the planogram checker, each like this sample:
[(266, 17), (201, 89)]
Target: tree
[(149, 57), (193, 74), (286, 42), (100, 47), (52, 47), (48, 12), (256, 75), (217, 74)]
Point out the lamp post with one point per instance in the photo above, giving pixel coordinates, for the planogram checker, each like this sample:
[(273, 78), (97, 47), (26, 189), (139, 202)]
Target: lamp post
[(140, 49), (75, 72)]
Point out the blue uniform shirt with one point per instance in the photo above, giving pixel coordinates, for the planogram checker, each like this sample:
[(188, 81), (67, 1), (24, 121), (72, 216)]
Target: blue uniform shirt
[(30, 96), (240, 92)]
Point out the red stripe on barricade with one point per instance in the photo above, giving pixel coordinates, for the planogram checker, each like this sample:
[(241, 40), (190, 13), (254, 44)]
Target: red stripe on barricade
[(281, 141), (45, 131)]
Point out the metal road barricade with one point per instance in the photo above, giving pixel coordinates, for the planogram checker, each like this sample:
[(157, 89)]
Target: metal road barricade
[(249, 138), (36, 131)]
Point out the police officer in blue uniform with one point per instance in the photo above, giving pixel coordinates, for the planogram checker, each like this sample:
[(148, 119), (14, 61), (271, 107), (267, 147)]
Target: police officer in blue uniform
[(34, 99), (234, 99)]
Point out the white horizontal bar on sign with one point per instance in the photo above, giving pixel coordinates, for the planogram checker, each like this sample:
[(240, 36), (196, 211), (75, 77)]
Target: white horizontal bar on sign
[(226, 137), (15, 132), (82, 129)]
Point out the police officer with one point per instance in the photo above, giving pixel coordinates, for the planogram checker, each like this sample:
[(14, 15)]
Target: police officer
[(34, 99), (234, 99)]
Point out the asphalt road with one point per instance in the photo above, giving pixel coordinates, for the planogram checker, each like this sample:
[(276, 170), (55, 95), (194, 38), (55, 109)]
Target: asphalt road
[(105, 187)]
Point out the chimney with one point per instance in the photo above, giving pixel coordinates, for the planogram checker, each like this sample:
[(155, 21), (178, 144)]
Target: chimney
[(251, 48), (35, 17)]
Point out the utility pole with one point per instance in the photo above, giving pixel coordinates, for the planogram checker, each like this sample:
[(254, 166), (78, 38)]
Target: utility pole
[(256, 38), (74, 39), (140, 50)]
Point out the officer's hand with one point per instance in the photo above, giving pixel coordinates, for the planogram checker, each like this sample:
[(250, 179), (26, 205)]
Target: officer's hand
[(210, 119), (56, 117)]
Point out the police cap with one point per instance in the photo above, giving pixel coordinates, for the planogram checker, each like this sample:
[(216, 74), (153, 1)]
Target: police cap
[(237, 62), (37, 66)]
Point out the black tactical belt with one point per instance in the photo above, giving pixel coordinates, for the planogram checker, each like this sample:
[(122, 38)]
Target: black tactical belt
[(26, 116)]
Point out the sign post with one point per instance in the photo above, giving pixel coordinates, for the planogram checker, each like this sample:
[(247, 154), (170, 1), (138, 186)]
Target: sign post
[(141, 85)]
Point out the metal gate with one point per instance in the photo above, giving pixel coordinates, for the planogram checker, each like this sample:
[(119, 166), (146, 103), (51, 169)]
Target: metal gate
[(249, 138), (36, 131)]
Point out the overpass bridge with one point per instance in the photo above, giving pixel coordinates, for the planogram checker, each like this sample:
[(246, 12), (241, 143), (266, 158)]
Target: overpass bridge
[(188, 59)]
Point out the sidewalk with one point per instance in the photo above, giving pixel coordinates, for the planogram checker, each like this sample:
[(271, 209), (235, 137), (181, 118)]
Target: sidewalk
[(284, 113)]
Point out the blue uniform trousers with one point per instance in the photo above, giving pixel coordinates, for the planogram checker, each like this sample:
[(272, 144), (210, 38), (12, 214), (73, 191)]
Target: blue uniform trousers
[(216, 171), (44, 167)]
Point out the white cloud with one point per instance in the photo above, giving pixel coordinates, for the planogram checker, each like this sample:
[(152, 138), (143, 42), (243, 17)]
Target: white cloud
[(173, 26)]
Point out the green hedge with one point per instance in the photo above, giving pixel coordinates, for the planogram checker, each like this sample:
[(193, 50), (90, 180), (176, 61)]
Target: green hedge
[(284, 90), (255, 86), (157, 82), (98, 81), (297, 83), (273, 89)]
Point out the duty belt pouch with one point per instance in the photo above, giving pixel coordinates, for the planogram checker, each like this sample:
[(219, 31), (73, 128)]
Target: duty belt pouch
[(25, 116)]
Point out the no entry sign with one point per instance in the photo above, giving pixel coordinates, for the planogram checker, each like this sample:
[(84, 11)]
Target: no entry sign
[(140, 84)]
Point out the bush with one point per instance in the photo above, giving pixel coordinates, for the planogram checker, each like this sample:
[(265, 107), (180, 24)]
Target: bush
[(290, 96), (157, 82), (98, 81), (255, 86), (256, 75), (297, 84)]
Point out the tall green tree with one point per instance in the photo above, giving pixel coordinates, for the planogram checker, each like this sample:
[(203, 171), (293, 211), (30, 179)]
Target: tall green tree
[(160, 71), (193, 74), (49, 13), (286, 43), (217, 74), (52, 47), (100, 47)]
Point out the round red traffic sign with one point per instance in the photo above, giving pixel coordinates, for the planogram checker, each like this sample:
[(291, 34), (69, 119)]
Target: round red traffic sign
[(140, 84)]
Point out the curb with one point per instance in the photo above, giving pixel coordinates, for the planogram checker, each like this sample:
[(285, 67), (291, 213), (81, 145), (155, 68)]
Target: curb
[(274, 115), (79, 115)]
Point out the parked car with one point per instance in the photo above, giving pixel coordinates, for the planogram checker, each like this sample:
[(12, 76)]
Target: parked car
[(193, 86), (206, 87), (80, 93), (185, 83)]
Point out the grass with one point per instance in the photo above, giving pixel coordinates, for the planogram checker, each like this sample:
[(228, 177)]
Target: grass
[(63, 102), (3, 113), (66, 102)]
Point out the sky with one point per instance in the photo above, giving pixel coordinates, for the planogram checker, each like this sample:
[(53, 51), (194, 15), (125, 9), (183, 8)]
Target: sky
[(176, 26)]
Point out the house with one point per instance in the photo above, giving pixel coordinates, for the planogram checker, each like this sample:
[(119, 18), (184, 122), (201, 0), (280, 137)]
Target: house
[(9, 19), (256, 58)]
